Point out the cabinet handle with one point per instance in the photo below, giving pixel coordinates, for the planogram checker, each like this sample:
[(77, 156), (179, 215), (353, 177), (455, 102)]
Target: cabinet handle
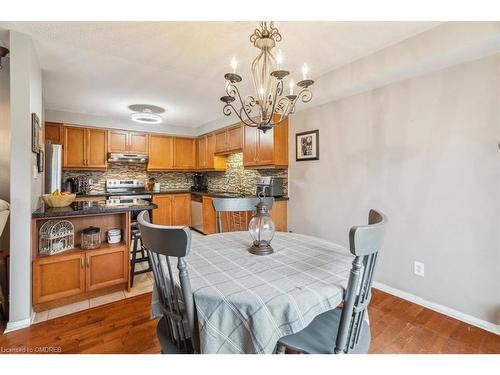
[(88, 262), (81, 262)]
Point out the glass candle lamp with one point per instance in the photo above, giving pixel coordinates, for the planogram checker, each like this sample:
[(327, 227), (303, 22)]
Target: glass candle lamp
[(261, 228)]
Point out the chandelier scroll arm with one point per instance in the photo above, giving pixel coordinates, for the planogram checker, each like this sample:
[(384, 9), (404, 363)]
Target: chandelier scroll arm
[(232, 90)]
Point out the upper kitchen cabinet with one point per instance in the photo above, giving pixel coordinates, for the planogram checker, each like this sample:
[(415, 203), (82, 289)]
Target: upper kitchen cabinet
[(229, 140), (84, 148), (54, 133), (184, 153), (266, 150), (171, 153), (161, 153), (124, 141), (207, 160)]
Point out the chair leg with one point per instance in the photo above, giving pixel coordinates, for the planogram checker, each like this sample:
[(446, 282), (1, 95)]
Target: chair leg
[(132, 262), (280, 349)]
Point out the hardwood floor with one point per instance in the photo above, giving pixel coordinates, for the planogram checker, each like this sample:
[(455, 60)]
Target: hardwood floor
[(398, 326)]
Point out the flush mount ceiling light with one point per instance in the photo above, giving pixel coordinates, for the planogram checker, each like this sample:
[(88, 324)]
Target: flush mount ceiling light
[(272, 106), (146, 114)]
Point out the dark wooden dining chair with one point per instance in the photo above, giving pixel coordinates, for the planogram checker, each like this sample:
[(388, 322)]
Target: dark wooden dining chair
[(176, 329), (345, 330), (234, 214)]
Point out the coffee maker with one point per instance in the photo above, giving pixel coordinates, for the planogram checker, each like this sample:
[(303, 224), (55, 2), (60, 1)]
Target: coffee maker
[(199, 182), (72, 185), (269, 187)]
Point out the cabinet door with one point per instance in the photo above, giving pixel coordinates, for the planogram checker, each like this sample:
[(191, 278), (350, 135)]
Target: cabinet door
[(160, 152), (235, 138), (117, 141), (202, 153), (250, 146), (97, 141), (58, 277), (181, 209), (265, 148), (209, 216), (220, 141), (74, 147), (106, 267), (138, 143), (53, 133), (279, 215), (163, 214), (184, 153)]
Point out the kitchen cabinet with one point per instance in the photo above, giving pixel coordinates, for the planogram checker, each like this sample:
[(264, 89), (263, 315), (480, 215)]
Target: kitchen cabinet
[(171, 153), (162, 215), (106, 267), (181, 209), (127, 142), (58, 277), (97, 156), (84, 148), (266, 150), (229, 140), (160, 152), (53, 133), (207, 160), (173, 209), (184, 153)]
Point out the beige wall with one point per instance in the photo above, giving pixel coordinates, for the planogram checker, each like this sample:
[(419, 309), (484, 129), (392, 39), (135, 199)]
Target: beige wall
[(425, 152)]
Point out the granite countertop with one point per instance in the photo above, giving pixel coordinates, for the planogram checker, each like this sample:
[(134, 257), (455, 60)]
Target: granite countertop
[(210, 193), (89, 208)]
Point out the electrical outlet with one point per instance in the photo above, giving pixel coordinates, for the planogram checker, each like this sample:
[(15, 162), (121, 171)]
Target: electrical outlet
[(419, 269)]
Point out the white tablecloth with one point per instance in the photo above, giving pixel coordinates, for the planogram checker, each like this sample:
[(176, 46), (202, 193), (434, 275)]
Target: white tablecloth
[(245, 302)]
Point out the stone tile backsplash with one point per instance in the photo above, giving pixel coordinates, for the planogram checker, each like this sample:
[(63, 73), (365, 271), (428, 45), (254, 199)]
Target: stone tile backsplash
[(235, 179)]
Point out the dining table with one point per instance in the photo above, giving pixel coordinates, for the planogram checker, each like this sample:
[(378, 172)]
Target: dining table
[(245, 303)]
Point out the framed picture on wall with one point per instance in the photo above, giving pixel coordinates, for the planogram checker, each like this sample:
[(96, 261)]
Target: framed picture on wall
[(307, 145), (35, 133), (40, 161)]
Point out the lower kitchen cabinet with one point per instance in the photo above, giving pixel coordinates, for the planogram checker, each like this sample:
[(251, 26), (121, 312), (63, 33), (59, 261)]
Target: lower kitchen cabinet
[(57, 277), (68, 275), (173, 209), (162, 215), (106, 267)]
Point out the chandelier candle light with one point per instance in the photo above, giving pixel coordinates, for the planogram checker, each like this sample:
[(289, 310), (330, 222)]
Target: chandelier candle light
[(268, 83)]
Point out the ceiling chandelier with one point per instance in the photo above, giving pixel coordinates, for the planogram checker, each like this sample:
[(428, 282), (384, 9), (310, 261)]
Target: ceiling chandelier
[(272, 106)]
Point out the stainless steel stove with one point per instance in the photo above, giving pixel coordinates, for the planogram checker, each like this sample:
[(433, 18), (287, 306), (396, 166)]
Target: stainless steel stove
[(125, 191)]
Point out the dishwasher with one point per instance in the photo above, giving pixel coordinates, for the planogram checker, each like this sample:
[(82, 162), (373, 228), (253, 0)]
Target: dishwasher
[(197, 212)]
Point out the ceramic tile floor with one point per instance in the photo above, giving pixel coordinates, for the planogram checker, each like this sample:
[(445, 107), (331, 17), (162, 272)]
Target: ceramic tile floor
[(143, 283)]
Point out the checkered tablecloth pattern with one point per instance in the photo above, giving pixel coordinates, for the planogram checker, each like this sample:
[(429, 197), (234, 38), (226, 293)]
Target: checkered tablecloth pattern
[(245, 302)]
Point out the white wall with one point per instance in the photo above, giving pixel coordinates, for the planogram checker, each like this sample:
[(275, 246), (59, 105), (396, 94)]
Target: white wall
[(424, 151), (26, 98), (5, 141)]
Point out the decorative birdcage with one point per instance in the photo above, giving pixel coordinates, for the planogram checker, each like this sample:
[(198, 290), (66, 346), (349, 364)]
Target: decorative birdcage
[(56, 236)]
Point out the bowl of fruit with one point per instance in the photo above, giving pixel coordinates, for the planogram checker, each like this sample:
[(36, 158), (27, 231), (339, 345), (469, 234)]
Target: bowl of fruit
[(58, 199)]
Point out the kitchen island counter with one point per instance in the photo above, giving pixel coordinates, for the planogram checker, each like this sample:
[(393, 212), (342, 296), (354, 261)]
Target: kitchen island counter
[(85, 208)]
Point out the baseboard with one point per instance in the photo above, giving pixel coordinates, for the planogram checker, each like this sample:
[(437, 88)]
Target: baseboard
[(488, 326), (14, 326)]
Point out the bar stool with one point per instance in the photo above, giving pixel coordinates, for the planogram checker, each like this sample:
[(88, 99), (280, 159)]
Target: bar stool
[(136, 237)]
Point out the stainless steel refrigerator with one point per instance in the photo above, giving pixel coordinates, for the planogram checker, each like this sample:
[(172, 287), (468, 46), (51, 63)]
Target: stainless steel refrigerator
[(53, 167)]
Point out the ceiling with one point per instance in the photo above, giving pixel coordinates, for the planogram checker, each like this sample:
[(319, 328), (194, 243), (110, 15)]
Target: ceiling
[(100, 68)]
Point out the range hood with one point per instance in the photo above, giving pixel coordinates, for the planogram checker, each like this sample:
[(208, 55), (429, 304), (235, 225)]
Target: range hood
[(127, 158)]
